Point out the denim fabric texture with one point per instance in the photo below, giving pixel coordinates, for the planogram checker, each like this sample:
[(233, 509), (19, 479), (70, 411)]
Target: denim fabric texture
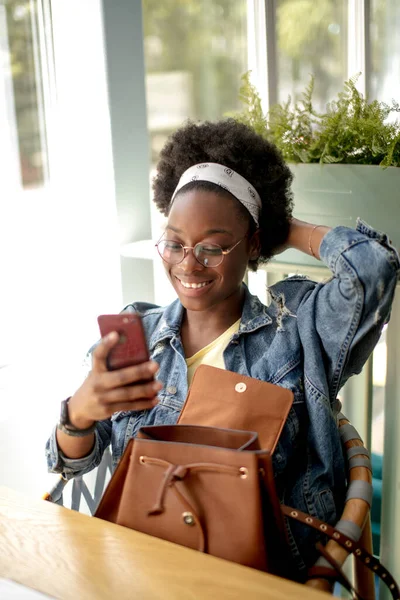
[(310, 339)]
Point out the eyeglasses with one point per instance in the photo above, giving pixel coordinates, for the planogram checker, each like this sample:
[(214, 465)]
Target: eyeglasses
[(208, 255)]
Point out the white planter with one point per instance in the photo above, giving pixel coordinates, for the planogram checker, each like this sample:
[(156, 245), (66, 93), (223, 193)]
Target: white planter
[(338, 194)]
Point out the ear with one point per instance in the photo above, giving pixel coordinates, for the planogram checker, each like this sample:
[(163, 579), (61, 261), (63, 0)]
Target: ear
[(255, 246)]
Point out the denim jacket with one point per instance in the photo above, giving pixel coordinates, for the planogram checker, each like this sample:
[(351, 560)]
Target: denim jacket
[(310, 339)]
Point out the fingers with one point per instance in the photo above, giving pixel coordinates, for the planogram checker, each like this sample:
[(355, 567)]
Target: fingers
[(135, 397), (130, 393), (129, 375), (129, 406), (129, 389), (101, 351), (92, 402)]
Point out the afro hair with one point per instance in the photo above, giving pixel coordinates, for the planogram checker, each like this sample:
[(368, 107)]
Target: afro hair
[(237, 147)]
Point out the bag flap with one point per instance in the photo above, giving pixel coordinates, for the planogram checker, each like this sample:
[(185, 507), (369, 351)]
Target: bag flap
[(221, 398)]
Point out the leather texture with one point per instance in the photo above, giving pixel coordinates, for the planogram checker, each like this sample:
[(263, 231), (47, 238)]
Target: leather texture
[(203, 488), (213, 490), (241, 403), (371, 562)]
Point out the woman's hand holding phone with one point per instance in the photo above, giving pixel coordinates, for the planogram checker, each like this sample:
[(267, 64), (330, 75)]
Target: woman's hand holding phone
[(105, 392)]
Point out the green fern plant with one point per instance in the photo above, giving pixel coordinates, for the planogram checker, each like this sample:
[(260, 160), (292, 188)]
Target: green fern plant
[(351, 131), (252, 115)]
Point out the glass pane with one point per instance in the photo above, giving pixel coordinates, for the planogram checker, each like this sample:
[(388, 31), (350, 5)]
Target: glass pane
[(195, 52), (20, 78), (378, 398), (311, 39), (384, 81)]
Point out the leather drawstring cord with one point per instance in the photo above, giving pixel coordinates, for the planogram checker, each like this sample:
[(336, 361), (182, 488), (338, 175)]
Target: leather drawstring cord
[(171, 475), (175, 474)]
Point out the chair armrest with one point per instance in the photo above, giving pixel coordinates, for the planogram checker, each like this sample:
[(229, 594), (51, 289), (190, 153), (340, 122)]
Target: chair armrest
[(357, 511)]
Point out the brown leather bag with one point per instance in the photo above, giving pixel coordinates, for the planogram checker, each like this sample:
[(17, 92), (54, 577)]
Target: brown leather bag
[(200, 487), (213, 489)]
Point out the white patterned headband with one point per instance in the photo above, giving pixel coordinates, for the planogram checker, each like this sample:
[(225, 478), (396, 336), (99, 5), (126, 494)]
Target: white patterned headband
[(226, 178)]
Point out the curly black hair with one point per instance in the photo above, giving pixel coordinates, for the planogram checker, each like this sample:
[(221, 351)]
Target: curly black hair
[(237, 147)]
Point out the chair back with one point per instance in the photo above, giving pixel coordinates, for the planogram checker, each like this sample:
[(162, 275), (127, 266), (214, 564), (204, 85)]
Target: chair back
[(80, 489)]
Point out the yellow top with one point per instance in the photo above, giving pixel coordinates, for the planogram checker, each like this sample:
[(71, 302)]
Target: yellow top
[(212, 354)]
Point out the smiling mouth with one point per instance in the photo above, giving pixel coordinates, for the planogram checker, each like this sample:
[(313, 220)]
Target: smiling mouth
[(193, 286)]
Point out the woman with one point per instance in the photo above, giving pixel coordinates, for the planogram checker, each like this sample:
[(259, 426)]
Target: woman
[(226, 193)]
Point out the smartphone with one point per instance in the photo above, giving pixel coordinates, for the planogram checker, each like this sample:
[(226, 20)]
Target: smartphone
[(132, 346)]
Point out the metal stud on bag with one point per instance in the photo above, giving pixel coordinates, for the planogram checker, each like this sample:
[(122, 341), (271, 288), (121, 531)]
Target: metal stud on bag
[(240, 387), (188, 518), (243, 472)]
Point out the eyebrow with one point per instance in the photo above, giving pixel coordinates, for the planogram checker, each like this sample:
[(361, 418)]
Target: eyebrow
[(208, 232)]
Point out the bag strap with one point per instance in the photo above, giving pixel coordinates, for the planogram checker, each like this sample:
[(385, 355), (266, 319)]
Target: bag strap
[(332, 573), (348, 544)]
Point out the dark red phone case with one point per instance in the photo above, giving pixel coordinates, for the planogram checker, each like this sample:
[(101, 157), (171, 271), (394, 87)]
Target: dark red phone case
[(132, 346)]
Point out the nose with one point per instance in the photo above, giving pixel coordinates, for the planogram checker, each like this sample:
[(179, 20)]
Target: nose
[(190, 263)]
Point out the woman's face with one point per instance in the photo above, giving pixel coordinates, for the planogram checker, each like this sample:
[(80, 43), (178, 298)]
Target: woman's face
[(199, 216)]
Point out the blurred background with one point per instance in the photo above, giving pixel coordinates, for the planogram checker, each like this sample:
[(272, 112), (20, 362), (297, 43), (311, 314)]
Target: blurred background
[(89, 92)]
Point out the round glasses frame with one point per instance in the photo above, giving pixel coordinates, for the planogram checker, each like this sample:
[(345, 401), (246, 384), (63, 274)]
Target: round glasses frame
[(185, 249)]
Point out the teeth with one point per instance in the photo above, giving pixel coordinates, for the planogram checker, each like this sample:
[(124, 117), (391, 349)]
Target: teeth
[(194, 286)]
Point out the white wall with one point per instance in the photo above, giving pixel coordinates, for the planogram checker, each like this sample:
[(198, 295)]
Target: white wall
[(59, 253)]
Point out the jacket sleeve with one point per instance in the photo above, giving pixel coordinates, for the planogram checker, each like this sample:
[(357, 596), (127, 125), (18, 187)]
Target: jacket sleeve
[(349, 311), (57, 462)]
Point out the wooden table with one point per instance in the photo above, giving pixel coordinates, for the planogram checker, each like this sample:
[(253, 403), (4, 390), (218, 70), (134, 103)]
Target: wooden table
[(65, 554)]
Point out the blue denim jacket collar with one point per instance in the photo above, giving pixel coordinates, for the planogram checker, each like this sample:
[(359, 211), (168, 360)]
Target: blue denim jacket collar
[(254, 316)]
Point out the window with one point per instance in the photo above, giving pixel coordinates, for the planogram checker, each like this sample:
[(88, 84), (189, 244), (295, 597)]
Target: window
[(195, 52), (24, 142), (385, 50), (311, 39), (60, 263)]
